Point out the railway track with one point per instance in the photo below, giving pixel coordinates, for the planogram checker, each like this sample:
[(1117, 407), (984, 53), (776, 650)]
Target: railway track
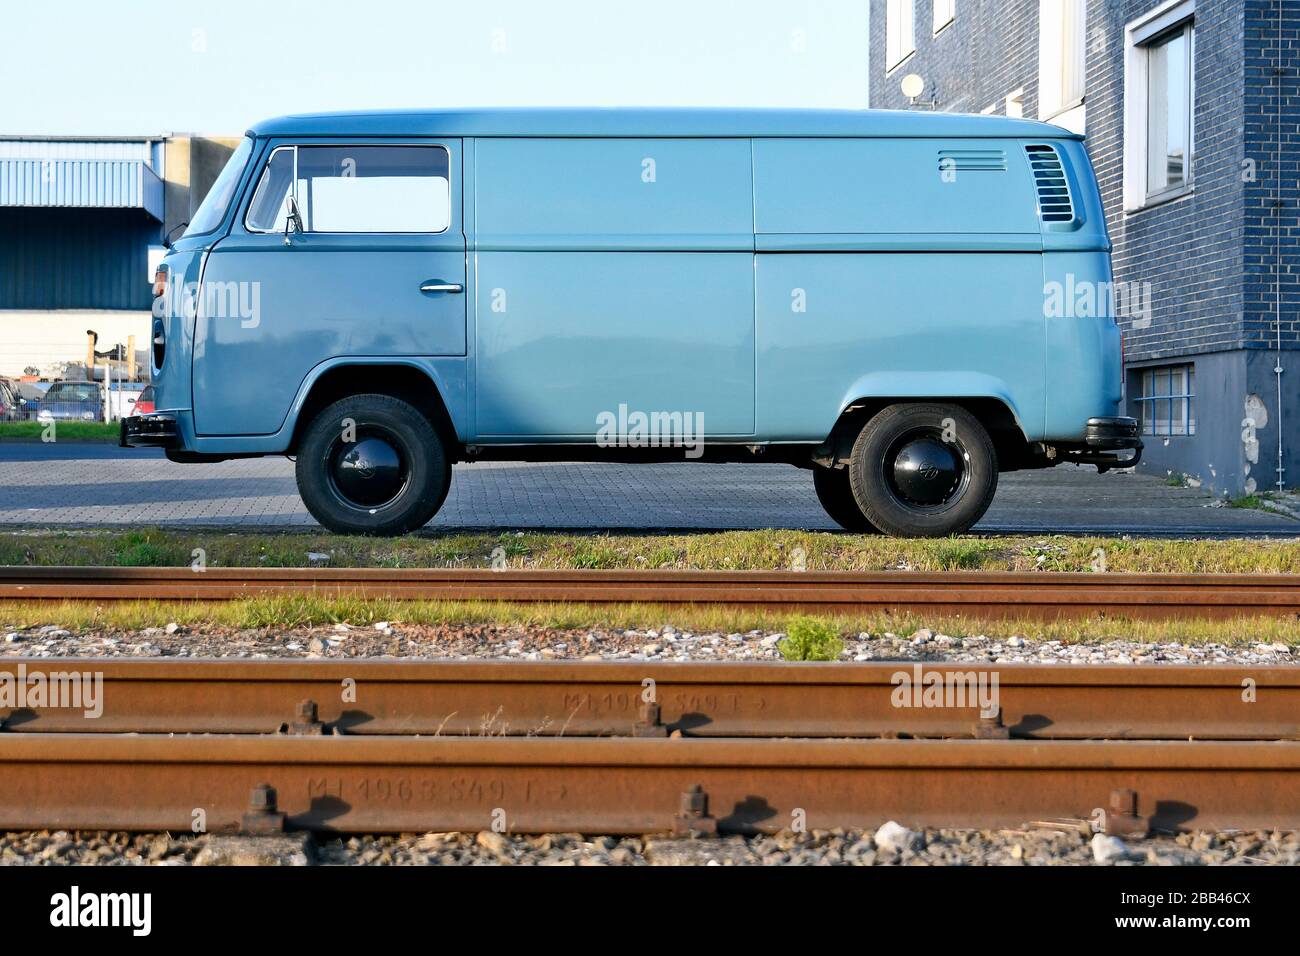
[(1044, 595), (595, 699), (373, 746)]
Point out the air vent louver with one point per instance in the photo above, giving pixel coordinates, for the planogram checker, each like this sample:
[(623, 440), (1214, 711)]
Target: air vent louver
[(973, 160), (1054, 203)]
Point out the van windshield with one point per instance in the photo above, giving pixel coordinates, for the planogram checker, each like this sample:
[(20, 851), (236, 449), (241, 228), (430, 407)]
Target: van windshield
[(213, 208)]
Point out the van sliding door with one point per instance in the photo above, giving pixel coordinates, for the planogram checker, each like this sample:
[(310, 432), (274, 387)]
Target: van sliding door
[(614, 276)]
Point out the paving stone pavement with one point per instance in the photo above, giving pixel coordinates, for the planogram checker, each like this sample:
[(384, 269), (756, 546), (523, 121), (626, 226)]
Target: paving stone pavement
[(89, 485)]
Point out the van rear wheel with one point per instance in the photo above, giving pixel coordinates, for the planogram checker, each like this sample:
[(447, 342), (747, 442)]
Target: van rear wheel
[(836, 496), (372, 464), (923, 470)]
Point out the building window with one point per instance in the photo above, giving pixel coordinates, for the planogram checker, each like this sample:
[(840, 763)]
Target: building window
[(1169, 112), (900, 41), (1062, 56), (1016, 104), (945, 11), (1166, 400), (1160, 95)]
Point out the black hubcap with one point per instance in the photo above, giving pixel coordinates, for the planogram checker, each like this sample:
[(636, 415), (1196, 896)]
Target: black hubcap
[(926, 471), (368, 472)]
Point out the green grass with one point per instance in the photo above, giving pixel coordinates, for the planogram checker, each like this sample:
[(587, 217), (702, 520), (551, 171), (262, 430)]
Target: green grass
[(808, 638), (63, 431), (138, 551), (814, 636), (962, 554), (594, 555), (730, 550)]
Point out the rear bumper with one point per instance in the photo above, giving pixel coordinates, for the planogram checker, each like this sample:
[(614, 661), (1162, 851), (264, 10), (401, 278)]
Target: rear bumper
[(149, 431), (1112, 433), (1102, 438)]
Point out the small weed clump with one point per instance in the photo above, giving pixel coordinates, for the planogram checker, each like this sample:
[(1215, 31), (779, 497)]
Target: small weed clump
[(811, 639)]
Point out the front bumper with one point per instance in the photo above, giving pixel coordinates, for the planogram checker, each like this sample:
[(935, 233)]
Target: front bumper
[(1103, 437), (149, 431)]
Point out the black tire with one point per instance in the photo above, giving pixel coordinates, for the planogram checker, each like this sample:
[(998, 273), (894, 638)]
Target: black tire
[(390, 478), (924, 470), (836, 496)]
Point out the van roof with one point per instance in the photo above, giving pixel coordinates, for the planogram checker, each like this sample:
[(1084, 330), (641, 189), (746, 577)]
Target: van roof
[(614, 122)]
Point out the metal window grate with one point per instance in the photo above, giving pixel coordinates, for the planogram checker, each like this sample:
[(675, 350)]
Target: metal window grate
[(1167, 400), (1054, 204)]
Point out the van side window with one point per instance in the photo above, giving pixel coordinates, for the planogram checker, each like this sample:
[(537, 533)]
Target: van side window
[(373, 188), (267, 211), (349, 189)]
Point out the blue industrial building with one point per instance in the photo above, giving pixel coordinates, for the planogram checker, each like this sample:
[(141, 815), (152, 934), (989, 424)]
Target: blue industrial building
[(1192, 113), (82, 222), (77, 220)]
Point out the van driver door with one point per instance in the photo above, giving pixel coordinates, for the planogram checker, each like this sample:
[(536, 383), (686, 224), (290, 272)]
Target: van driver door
[(353, 250)]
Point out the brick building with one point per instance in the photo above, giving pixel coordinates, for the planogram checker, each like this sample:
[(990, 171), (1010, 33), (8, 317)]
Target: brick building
[(1192, 114)]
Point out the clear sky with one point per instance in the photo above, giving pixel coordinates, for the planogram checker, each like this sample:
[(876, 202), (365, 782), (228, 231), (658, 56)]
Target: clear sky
[(109, 67)]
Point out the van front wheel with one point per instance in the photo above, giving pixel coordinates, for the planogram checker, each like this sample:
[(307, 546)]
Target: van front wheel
[(924, 470), (372, 464)]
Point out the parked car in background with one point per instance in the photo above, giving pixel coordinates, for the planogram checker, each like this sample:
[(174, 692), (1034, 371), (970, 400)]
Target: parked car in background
[(13, 407), (144, 404), (75, 401)]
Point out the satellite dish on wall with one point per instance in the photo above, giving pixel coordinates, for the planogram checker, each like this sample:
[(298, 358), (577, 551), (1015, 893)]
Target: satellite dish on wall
[(913, 86)]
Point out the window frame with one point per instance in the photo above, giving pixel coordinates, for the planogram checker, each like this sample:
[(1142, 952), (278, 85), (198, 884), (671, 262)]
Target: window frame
[(1165, 21), (1017, 97), (1184, 30), (938, 27), (1052, 100), (903, 55), (1142, 400), (257, 186), (293, 187)]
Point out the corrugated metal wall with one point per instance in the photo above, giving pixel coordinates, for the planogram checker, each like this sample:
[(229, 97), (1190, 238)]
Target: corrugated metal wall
[(138, 150), (52, 258), (96, 183)]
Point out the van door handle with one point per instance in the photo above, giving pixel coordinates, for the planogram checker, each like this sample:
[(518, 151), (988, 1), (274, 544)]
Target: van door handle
[(442, 287)]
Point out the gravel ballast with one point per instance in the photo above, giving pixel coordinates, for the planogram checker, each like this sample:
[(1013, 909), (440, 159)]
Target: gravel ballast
[(520, 642), (938, 847)]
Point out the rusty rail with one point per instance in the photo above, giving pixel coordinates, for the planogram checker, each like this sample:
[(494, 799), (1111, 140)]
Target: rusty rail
[(973, 593), (587, 698), (406, 746), (626, 785)]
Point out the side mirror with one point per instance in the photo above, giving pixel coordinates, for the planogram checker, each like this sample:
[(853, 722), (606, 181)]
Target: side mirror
[(292, 221), (167, 239)]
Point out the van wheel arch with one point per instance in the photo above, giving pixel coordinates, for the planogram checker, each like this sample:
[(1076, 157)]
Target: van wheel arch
[(404, 382), (996, 416)]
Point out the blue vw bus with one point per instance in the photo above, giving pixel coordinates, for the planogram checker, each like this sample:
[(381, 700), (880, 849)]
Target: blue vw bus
[(905, 303)]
